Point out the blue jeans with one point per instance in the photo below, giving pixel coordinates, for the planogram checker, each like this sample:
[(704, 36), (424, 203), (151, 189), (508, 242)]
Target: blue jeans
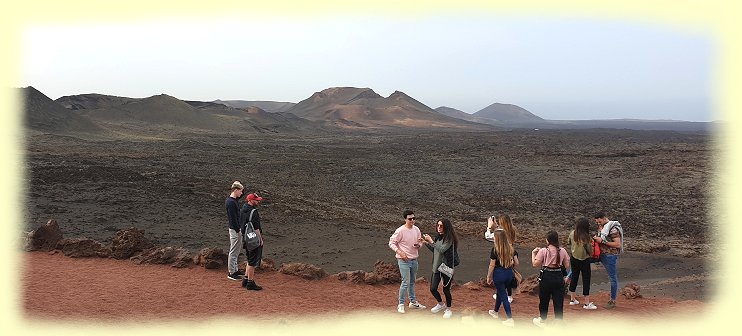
[(408, 270), (502, 277), (609, 261)]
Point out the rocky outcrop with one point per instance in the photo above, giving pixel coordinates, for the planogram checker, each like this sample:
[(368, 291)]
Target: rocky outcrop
[(306, 271), (266, 265), (211, 258), (175, 256), (84, 247), (128, 242), (529, 285), (357, 277), (44, 238), (631, 291), (386, 273)]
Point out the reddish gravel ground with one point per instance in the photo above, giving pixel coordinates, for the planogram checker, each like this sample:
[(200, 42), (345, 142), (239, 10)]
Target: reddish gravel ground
[(56, 287)]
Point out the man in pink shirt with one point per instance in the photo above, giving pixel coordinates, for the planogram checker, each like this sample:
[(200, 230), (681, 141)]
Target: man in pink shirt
[(406, 242)]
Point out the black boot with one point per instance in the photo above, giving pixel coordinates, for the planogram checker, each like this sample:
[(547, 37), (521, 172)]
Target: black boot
[(244, 282), (251, 285)]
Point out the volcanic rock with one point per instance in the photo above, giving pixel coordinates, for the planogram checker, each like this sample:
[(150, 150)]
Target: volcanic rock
[(128, 242), (44, 238), (530, 285), (177, 256), (631, 291), (84, 247), (211, 258), (387, 273), (306, 271), (357, 277)]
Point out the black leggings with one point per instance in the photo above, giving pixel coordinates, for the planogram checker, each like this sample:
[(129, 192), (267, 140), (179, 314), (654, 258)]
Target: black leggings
[(551, 287), (580, 266), (435, 281)]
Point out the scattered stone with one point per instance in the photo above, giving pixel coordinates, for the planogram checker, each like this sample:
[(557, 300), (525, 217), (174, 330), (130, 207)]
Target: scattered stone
[(211, 258), (128, 242), (266, 265), (631, 291), (306, 271), (357, 277), (44, 238), (471, 285), (529, 285), (83, 248), (178, 257), (387, 273)]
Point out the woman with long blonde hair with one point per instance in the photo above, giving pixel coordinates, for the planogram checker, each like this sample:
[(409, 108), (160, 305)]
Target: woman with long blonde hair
[(503, 258)]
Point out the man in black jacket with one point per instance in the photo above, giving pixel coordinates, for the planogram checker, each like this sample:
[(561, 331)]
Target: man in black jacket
[(235, 238)]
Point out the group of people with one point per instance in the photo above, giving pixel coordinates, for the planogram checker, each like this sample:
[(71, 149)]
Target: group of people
[(557, 266), (237, 219), (406, 241)]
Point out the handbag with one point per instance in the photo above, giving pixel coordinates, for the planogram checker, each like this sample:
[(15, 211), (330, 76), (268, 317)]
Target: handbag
[(595, 256), (448, 271)]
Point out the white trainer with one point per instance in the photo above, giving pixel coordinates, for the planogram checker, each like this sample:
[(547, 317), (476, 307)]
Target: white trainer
[(573, 302), (538, 322), (590, 306), (508, 323), (493, 313), (417, 305), (437, 308), (400, 308), (447, 313)]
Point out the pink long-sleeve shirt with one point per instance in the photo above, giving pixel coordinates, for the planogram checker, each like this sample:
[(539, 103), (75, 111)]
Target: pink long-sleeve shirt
[(404, 239)]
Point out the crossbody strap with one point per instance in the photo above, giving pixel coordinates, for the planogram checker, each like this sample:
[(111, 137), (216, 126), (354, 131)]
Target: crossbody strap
[(249, 219)]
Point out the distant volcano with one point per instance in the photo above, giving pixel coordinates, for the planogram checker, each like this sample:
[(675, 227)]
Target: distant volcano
[(362, 107), (507, 113), (44, 114)]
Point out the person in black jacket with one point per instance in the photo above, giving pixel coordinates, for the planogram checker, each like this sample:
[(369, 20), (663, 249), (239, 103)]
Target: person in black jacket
[(235, 238), (254, 256), (444, 251)]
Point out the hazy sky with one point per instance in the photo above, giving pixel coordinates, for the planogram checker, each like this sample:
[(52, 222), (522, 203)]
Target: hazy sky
[(557, 68)]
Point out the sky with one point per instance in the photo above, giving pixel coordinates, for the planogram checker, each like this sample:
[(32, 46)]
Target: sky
[(557, 68)]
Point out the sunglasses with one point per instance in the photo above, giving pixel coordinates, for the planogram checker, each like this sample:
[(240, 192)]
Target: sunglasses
[(411, 218)]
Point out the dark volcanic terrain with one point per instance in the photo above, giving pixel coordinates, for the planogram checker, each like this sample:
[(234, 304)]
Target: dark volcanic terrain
[(334, 196)]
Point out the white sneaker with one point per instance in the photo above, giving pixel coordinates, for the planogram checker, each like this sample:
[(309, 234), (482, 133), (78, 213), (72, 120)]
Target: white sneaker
[(416, 305), (573, 302), (493, 313), (590, 306), (537, 321), (400, 308), (437, 308), (510, 299), (447, 313), (508, 323)]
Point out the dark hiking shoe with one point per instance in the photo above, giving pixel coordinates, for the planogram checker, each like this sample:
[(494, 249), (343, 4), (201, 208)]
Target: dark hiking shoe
[(234, 276), (251, 285), (610, 305), (244, 282)]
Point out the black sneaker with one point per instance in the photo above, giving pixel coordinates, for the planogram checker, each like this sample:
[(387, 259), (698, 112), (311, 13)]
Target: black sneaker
[(242, 273), (234, 276), (253, 286)]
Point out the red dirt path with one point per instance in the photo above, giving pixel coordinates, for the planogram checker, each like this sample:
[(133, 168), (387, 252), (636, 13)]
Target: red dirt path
[(59, 287)]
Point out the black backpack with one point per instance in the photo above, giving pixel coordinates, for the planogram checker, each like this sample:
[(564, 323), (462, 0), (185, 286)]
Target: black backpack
[(250, 238)]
